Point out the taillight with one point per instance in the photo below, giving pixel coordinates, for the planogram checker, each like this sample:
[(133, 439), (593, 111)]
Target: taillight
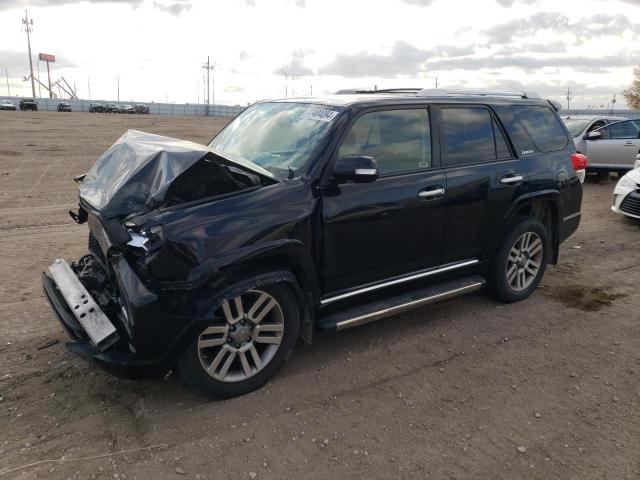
[(579, 162)]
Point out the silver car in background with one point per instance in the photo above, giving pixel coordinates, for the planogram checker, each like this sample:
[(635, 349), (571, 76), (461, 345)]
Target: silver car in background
[(613, 148), (580, 125)]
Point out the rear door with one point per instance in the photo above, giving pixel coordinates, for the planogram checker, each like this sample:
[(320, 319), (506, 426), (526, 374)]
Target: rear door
[(617, 147), (393, 226), (483, 177)]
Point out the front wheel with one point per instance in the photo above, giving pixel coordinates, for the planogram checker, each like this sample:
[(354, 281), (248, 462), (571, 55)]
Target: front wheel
[(244, 345), (520, 262)]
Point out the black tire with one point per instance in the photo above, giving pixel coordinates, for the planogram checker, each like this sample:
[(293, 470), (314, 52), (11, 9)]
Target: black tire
[(498, 282), (194, 376)]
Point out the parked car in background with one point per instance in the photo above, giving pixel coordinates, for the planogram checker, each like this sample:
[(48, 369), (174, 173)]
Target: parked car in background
[(7, 105), (626, 195), (28, 104), (311, 214), (113, 108), (613, 148), (142, 108), (64, 107), (580, 125), (127, 108), (96, 108)]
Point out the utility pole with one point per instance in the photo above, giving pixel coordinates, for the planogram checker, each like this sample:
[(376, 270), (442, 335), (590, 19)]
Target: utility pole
[(28, 26), (613, 102), (118, 87), (204, 93), (6, 72), (208, 67), (436, 82), (49, 77), (311, 90), (286, 83), (40, 86), (568, 99), (89, 87)]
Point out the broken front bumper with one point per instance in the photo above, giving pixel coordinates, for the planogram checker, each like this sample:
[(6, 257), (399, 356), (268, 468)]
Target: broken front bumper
[(144, 342)]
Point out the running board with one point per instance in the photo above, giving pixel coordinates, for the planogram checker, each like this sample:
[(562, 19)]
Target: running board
[(361, 315)]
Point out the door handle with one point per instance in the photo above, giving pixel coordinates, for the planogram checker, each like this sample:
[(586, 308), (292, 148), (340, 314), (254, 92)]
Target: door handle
[(509, 179), (431, 194)]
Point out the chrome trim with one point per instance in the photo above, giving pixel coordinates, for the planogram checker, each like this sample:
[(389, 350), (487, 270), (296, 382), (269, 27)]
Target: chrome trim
[(387, 312), (431, 193), (513, 179), (396, 281), (572, 216)]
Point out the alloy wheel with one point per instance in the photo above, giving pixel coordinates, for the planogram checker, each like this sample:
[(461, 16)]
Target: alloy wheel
[(243, 338), (524, 261)]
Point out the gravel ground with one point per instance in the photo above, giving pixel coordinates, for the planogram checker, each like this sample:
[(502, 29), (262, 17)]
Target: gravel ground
[(468, 389)]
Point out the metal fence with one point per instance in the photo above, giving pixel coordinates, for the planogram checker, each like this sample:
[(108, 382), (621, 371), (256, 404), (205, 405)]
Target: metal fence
[(618, 113), (51, 105)]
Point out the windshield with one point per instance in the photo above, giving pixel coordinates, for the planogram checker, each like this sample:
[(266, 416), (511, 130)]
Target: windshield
[(280, 137), (575, 125)]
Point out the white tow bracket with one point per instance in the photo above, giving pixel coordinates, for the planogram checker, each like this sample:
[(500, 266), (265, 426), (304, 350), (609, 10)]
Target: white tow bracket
[(101, 331)]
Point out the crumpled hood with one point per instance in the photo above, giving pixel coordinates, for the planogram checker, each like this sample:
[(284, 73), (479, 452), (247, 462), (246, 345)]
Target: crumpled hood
[(142, 172)]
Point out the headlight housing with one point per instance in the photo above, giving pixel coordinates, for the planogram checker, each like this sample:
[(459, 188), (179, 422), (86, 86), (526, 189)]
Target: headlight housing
[(149, 238), (626, 181)]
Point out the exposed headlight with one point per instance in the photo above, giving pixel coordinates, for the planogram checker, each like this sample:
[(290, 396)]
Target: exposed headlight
[(626, 181), (148, 239)]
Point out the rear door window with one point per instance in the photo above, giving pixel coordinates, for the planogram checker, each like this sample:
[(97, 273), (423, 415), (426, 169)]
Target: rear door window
[(543, 127), (471, 135)]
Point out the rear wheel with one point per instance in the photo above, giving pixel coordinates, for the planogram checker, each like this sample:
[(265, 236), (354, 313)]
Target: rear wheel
[(245, 344), (520, 262)]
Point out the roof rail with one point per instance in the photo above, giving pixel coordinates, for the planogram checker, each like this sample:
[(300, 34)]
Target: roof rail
[(411, 90), (443, 92)]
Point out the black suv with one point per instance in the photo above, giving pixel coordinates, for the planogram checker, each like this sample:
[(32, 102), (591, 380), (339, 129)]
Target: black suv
[(28, 104), (96, 108), (64, 107), (307, 215)]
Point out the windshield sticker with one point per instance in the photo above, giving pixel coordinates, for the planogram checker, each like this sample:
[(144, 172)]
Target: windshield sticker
[(322, 115)]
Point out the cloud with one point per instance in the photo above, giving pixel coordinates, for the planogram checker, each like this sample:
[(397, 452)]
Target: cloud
[(531, 64), (419, 3), (243, 55), (17, 62), (404, 59), (594, 26), (9, 4), (174, 8), (295, 67), (509, 3), (555, 47)]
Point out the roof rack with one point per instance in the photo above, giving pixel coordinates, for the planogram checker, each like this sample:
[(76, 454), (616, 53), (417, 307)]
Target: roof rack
[(443, 92), (411, 90)]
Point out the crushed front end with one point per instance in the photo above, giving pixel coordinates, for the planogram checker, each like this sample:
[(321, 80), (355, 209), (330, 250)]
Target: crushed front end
[(118, 303)]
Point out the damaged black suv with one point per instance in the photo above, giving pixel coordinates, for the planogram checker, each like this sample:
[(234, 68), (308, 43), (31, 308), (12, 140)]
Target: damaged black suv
[(307, 215)]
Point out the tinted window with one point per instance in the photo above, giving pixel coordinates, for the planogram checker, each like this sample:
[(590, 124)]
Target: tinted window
[(399, 140), (543, 127), (628, 129), (469, 136)]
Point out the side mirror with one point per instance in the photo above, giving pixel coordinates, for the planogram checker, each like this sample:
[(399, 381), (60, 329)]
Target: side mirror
[(594, 135), (355, 168)]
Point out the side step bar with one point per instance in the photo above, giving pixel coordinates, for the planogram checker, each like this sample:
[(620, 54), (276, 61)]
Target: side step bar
[(361, 315)]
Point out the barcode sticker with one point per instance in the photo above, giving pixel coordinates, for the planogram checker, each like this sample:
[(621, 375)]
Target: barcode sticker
[(321, 115)]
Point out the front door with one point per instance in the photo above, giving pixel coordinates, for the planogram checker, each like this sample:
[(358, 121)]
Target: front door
[(393, 226), (617, 147)]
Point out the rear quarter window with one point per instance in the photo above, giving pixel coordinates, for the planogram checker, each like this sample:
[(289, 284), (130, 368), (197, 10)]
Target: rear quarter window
[(543, 127)]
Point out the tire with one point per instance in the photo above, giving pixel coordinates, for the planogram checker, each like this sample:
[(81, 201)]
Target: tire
[(233, 335), (533, 236)]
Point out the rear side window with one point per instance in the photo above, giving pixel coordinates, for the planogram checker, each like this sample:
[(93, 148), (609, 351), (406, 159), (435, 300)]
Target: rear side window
[(542, 126), (399, 140), (471, 135)]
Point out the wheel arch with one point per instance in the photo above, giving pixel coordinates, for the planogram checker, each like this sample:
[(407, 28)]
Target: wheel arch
[(542, 206)]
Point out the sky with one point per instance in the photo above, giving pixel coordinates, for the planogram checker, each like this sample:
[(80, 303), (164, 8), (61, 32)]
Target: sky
[(263, 49)]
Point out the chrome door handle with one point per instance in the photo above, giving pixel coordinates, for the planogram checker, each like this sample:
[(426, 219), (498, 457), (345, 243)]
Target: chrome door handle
[(511, 179), (429, 194)]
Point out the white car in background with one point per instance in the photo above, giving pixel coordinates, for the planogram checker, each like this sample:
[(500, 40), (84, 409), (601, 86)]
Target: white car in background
[(626, 195)]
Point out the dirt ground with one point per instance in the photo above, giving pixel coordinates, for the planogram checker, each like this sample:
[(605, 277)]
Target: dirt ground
[(468, 389)]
